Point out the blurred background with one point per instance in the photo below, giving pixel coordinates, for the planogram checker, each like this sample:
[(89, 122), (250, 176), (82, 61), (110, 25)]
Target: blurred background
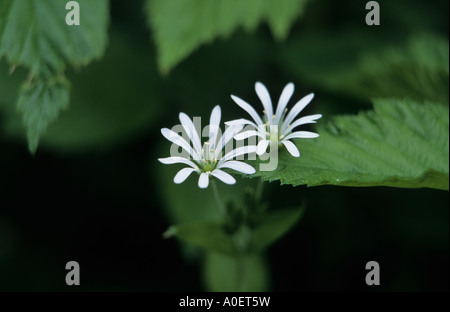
[(95, 193)]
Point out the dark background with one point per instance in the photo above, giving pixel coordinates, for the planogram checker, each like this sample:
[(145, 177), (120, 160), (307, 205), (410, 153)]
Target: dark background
[(103, 207)]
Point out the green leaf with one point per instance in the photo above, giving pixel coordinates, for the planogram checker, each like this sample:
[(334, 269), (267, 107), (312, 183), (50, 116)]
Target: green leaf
[(10, 85), (400, 143), (209, 235), (40, 104), (34, 33), (212, 235), (224, 273), (180, 26), (106, 108), (417, 69), (272, 226), (98, 118)]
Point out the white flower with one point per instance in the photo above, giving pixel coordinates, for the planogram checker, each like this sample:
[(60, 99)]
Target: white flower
[(207, 160), (276, 127)]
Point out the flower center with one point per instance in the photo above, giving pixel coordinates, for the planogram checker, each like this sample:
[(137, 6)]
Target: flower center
[(209, 160), (272, 133)]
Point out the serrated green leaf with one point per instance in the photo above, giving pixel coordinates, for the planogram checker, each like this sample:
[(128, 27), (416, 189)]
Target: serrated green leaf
[(224, 273), (40, 104), (180, 26), (209, 235), (400, 143), (34, 33), (272, 226)]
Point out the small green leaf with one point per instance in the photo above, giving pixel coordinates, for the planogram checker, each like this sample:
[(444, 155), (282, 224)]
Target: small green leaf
[(212, 236), (180, 26), (401, 144), (40, 103), (225, 273), (209, 235), (272, 226)]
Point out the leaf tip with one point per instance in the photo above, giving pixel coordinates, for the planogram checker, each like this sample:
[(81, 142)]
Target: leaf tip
[(32, 145), (170, 232)]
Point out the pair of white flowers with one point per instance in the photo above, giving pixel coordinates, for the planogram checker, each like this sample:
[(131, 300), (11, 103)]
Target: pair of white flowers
[(273, 127)]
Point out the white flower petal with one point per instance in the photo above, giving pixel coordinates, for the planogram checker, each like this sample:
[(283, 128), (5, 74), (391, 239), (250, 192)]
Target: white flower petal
[(262, 147), (283, 101), (214, 123), (301, 135), (240, 121), (248, 108), (177, 160), (238, 166), (303, 121), (247, 134), (189, 127), (298, 107), (223, 176), (178, 140), (182, 175), (264, 96), (292, 149), (227, 136), (238, 152), (203, 181)]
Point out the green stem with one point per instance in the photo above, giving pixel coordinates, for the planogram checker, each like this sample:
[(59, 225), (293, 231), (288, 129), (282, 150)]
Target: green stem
[(240, 265), (219, 202)]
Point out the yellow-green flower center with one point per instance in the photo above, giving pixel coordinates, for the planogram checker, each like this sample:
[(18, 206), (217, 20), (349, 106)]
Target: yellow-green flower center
[(209, 160)]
